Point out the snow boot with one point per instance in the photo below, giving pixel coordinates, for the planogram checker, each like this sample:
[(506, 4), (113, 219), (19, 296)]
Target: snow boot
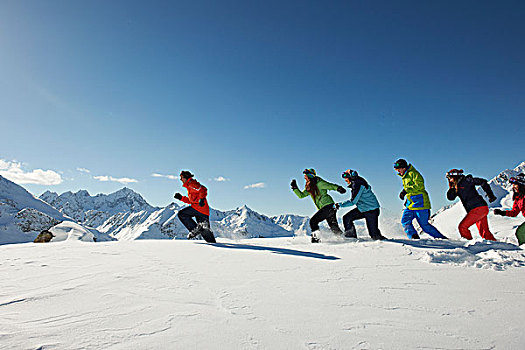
[(208, 236), (378, 238), (351, 233), (315, 237), (415, 236)]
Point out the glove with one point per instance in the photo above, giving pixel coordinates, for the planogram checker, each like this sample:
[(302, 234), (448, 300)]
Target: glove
[(402, 194), (492, 199), (341, 189), (499, 212), (201, 202), (178, 196), (293, 184), (337, 206)]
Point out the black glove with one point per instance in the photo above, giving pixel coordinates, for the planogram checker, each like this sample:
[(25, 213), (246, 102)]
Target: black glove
[(341, 189), (402, 194), (201, 202), (178, 196), (492, 199), (499, 212), (293, 184)]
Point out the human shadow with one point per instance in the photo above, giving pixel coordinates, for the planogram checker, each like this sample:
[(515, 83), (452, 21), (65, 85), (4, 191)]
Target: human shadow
[(275, 250), (471, 247)]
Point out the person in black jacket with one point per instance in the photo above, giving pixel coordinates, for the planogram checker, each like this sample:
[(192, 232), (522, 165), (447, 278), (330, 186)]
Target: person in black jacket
[(464, 187)]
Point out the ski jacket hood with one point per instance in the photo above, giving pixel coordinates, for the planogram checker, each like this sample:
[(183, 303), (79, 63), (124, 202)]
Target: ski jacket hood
[(196, 191), (468, 194), (417, 197), (323, 198)]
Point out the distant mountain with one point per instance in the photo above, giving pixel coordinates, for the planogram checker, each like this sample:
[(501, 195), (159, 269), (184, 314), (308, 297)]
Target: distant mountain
[(23, 217), (125, 215), (448, 218), (293, 223), (81, 206)]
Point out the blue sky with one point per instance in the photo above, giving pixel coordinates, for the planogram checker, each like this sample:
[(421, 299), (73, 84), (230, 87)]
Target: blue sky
[(257, 91)]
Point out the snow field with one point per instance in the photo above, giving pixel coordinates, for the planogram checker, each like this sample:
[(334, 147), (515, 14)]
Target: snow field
[(278, 293)]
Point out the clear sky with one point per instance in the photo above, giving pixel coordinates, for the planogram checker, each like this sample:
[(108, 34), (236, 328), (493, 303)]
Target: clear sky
[(256, 91)]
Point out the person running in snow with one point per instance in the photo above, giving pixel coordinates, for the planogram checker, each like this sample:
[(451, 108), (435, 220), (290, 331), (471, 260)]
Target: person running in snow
[(198, 208), (417, 203), (367, 206), (318, 188), (518, 186), (464, 187)]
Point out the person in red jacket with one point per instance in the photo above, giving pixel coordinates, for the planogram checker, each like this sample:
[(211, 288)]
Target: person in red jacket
[(198, 208), (518, 186)]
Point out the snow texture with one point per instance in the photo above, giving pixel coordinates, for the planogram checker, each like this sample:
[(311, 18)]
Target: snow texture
[(277, 293)]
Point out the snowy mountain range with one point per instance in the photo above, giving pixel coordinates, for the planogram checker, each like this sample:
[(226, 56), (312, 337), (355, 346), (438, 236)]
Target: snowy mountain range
[(122, 215), (125, 215), (23, 216)]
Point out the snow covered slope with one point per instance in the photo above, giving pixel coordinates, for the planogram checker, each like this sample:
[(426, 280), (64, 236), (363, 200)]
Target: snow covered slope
[(448, 218), (69, 231), (23, 217), (278, 293)]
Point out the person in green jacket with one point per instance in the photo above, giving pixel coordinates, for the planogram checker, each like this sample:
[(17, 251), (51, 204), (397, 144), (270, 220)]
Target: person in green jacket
[(318, 188), (417, 202)]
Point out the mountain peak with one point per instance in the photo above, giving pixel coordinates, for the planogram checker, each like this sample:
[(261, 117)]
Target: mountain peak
[(83, 193)]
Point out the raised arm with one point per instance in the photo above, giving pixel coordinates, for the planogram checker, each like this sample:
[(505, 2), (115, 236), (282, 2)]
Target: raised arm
[(486, 187)]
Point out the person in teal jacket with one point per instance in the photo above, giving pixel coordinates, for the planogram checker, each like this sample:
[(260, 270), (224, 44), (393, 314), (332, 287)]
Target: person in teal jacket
[(318, 188), (417, 202), (367, 206)]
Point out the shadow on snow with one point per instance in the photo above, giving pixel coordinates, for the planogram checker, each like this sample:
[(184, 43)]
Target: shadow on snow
[(275, 250)]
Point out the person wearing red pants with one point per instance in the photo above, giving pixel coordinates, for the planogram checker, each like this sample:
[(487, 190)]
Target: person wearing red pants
[(464, 187)]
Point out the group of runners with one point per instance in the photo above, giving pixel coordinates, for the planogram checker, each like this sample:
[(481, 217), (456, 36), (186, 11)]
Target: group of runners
[(196, 217)]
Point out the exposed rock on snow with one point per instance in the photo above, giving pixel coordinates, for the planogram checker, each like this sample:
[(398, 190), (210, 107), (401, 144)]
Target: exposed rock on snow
[(44, 237)]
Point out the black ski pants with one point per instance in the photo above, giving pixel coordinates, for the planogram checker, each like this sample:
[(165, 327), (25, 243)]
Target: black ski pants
[(327, 213), (186, 216), (372, 222)]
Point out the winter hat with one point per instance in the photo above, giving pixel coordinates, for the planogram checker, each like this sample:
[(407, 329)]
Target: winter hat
[(401, 164), (518, 179), (455, 173), (350, 174), (309, 172), (186, 174)]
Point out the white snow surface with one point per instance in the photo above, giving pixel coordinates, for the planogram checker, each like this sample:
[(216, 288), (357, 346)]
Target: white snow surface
[(273, 293), (70, 231)]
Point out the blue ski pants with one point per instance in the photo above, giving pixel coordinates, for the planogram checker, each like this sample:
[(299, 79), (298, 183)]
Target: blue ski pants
[(422, 217)]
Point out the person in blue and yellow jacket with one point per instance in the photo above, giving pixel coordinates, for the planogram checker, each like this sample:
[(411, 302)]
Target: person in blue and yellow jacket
[(367, 206), (417, 202)]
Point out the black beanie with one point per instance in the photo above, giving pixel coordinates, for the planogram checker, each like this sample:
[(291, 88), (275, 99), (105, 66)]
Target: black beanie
[(186, 174), (401, 163)]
